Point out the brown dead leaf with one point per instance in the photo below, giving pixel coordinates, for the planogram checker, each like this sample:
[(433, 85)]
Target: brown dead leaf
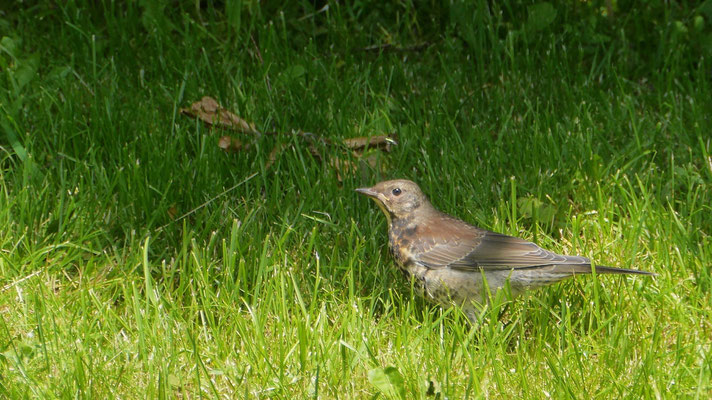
[(231, 144), (364, 152), (172, 211), (209, 111), (346, 157), (342, 166), (315, 152), (272, 157), (370, 159), (381, 142)]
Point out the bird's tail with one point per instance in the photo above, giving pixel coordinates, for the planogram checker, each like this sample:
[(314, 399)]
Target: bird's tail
[(602, 269), (574, 269), (541, 275)]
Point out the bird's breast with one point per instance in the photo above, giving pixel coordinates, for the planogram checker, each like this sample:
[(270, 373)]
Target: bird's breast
[(402, 235)]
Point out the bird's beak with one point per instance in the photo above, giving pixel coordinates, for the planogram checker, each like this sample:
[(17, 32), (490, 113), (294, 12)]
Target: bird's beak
[(379, 198), (368, 192)]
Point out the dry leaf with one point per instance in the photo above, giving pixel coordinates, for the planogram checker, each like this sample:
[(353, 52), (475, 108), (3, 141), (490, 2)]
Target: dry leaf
[(342, 167), (172, 211), (381, 142), (360, 151), (277, 150), (370, 159), (210, 112), (231, 144), (315, 152)]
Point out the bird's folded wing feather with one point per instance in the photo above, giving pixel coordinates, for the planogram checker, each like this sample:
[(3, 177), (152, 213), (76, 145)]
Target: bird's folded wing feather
[(464, 246)]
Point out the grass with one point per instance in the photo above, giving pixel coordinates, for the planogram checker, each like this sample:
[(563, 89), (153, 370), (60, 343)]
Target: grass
[(589, 135)]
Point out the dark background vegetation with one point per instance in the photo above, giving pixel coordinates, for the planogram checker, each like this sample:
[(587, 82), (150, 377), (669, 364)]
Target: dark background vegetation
[(116, 60)]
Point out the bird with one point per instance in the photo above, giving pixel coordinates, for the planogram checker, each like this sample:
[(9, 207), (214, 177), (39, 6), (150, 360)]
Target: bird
[(453, 262)]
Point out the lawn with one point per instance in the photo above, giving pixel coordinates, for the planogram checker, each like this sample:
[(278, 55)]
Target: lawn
[(138, 259)]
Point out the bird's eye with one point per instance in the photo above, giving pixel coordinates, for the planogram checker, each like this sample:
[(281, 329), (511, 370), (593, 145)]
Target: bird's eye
[(396, 192)]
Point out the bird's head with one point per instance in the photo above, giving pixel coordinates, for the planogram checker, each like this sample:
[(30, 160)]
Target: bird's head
[(398, 198)]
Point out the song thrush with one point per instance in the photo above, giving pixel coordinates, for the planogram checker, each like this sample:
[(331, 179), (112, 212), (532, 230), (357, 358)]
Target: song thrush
[(451, 259)]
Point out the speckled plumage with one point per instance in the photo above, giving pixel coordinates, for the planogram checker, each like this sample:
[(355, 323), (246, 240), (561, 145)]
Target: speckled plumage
[(448, 258)]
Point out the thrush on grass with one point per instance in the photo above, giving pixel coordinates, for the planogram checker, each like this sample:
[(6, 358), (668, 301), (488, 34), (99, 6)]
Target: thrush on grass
[(451, 260)]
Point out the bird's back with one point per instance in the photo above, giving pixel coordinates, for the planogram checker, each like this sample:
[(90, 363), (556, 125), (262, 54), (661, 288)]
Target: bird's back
[(437, 240)]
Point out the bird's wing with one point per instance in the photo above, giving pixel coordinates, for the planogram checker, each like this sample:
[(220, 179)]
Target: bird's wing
[(463, 246)]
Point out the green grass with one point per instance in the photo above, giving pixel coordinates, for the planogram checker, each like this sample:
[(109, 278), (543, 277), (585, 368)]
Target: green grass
[(589, 135)]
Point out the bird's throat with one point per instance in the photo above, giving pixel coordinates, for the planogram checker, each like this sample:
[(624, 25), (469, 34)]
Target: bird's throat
[(383, 208)]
